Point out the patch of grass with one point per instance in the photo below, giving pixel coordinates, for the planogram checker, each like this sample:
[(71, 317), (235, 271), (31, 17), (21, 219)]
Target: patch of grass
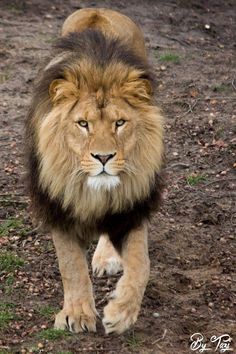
[(16, 6), (10, 262), (7, 305), (4, 77), (10, 280), (133, 341), (195, 179), (8, 225), (219, 132), (53, 334), (7, 286), (170, 57), (6, 314), (220, 88), (47, 311)]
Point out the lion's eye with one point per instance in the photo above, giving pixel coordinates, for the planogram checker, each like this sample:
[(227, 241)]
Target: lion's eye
[(83, 123), (120, 122)]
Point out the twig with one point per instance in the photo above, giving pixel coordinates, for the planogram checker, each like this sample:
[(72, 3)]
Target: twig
[(182, 99), (220, 180), (6, 23), (178, 164), (174, 39), (9, 195), (233, 84), (10, 201), (190, 110), (31, 232), (161, 338)]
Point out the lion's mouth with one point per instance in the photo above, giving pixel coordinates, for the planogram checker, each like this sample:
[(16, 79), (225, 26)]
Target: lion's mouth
[(104, 173)]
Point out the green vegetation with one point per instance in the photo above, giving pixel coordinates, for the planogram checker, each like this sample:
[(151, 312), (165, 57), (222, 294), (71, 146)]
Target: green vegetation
[(170, 57), (133, 341), (220, 88), (3, 77), (194, 179), (8, 288), (53, 334), (6, 314), (10, 262), (8, 225), (10, 280), (47, 311)]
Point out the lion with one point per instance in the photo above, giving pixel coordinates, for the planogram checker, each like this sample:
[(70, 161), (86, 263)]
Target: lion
[(95, 154)]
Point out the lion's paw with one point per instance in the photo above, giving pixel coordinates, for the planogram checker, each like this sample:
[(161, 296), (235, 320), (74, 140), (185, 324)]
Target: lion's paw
[(79, 318), (109, 266), (120, 315)]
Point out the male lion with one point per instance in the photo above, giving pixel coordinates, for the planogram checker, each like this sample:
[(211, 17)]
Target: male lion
[(95, 141)]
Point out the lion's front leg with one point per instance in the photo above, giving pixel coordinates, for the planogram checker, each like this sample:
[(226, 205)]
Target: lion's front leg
[(78, 313), (122, 310)]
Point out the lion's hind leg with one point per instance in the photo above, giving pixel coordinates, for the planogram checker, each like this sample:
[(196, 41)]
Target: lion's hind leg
[(78, 313), (122, 310), (106, 260)]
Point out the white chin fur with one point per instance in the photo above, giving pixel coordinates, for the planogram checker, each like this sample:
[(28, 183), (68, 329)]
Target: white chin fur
[(103, 182)]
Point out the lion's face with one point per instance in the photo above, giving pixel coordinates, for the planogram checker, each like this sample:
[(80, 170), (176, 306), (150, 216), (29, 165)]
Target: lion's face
[(102, 139)]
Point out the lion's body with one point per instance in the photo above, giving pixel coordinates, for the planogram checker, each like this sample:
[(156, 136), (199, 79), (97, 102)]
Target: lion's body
[(111, 23), (94, 133)]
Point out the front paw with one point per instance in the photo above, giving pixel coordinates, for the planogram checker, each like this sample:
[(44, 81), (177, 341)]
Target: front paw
[(80, 317), (121, 313)]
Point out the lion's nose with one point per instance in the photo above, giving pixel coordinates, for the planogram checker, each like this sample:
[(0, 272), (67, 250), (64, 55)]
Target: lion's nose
[(103, 158)]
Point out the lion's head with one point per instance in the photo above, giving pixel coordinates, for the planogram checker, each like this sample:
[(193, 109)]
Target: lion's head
[(97, 133)]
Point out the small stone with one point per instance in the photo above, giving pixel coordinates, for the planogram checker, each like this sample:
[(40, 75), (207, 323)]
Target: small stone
[(193, 310), (210, 122), (223, 240), (40, 345), (163, 67), (207, 26), (156, 314), (210, 304)]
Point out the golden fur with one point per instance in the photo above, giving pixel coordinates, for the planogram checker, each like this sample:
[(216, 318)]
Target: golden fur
[(87, 108)]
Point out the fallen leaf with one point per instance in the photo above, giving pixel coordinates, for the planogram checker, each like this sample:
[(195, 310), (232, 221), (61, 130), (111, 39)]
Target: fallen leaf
[(193, 93), (219, 143)]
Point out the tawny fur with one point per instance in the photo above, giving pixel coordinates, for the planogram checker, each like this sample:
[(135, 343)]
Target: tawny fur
[(65, 173)]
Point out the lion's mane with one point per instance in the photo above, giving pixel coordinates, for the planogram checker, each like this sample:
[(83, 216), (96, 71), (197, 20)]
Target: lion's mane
[(60, 198)]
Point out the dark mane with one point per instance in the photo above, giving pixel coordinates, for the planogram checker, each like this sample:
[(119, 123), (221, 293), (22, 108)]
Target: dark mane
[(102, 50)]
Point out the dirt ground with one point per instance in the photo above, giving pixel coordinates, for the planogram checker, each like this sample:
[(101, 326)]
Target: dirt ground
[(192, 286)]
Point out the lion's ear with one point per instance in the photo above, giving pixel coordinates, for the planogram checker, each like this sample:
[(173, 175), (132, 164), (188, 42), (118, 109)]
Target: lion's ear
[(138, 90), (144, 89), (61, 89)]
